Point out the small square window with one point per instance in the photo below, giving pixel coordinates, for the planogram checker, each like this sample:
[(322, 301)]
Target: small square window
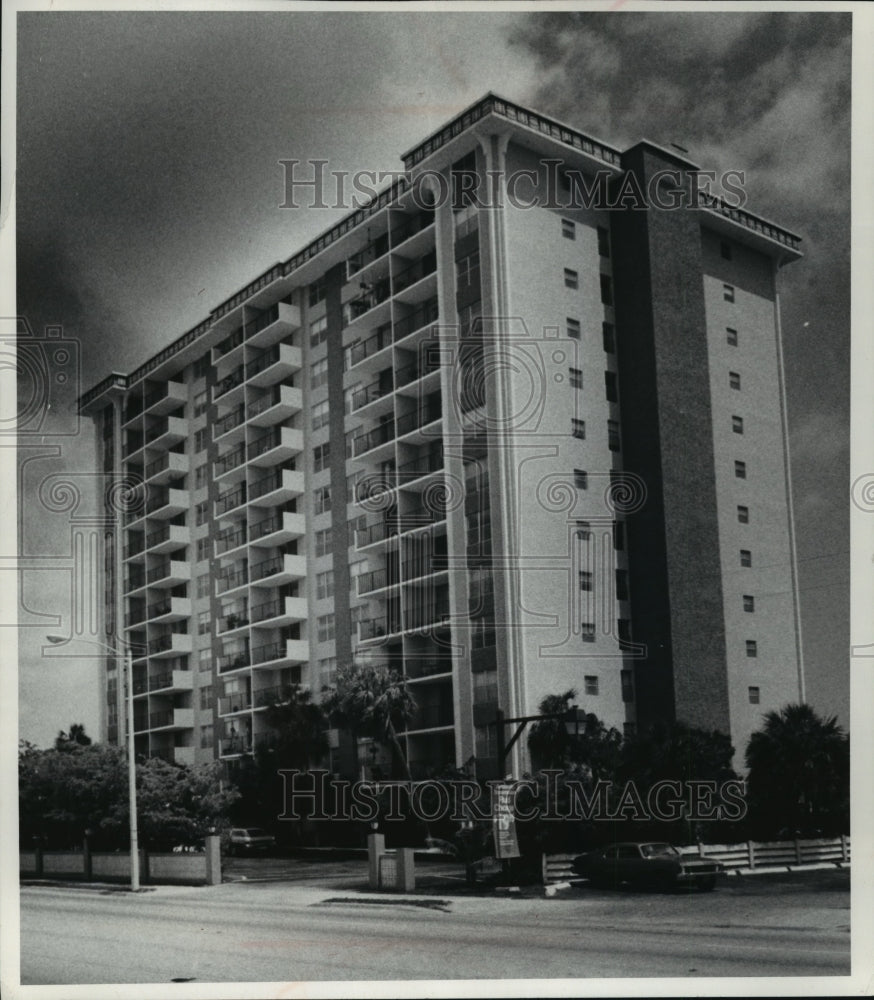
[(740, 470), (725, 250), (578, 428), (573, 328), (752, 648), (571, 278), (737, 425), (728, 293), (753, 695), (746, 557), (743, 514), (591, 684), (734, 380), (575, 377), (581, 479), (749, 602), (603, 242), (568, 229), (606, 290), (731, 336), (609, 333)]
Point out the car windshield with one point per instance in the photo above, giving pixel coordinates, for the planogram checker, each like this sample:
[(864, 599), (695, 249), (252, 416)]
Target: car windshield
[(657, 850)]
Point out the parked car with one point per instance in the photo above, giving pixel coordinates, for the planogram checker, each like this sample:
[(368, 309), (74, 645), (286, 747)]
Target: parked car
[(249, 840), (648, 864)]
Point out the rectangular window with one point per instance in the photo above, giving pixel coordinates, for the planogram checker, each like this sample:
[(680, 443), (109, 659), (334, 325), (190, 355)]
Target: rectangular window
[(323, 542), (749, 603), (573, 328), (621, 585), (606, 290), (201, 366), (575, 377), (746, 557), (731, 336), (204, 659), (200, 476), (591, 684), (203, 585), (571, 278), (322, 500), (578, 428), (613, 441), (737, 425), (203, 623), (603, 242), (585, 580), (725, 250), (202, 549), (201, 512), (609, 333), (734, 380), (206, 736), (752, 648), (324, 585), (318, 373), (587, 631), (618, 535), (200, 439), (728, 293), (200, 403), (206, 696), (318, 331), (318, 292), (611, 387), (753, 695), (568, 229), (581, 479), (325, 628), (320, 415), (740, 470), (743, 514), (321, 456)]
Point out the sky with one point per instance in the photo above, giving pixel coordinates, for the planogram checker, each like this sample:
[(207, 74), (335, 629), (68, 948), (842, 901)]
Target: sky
[(148, 189)]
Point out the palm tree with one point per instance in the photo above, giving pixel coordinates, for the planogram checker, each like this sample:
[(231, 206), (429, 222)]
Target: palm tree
[(372, 701), (300, 727), (798, 772), (549, 742)]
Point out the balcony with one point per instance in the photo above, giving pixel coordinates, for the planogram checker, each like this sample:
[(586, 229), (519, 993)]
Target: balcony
[(279, 569), (275, 406), (135, 580), (423, 669), (229, 384), (171, 609), (379, 389), (173, 718), (383, 434), (167, 467), (231, 460), (232, 619), (171, 681), (230, 539), (431, 717), (168, 539), (230, 422), (278, 445), (372, 252), (278, 487), (233, 703), (433, 616), (229, 344), (276, 364), (421, 417), (275, 323), (410, 227), (378, 628), (296, 650), (230, 500), (378, 579), (166, 502), (283, 526), (375, 343), (171, 644), (235, 660), (419, 318), (167, 432), (411, 275), (169, 574), (134, 442), (166, 398), (283, 611), (232, 579), (424, 465), (373, 296), (380, 531), (419, 369)]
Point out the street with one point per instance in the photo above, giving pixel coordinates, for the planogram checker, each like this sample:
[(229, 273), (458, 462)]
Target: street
[(317, 929)]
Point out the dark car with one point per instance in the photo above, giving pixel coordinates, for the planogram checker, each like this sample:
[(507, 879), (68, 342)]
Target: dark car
[(647, 864), (249, 840)]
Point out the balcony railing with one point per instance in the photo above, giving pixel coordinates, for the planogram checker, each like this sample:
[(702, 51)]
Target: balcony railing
[(229, 421), (266, 526), (235, 703), (229, 343), (272, 439), (370, 393), (270, 315), (427, 668), (135, 580), (410, 226), (375, 580), (227, 581), (159, 719), (263, 361), (159, 536), (231, 381), (233, 619), (159, 608), (233, 660), (162, 643), (231, 460), (270, 609), (264, 402), (419, 418), (374, 296), (377, 532), (420, 618), (412, 373), (426, 313), (230, 499), (422, 466), (373, 251), (271, 651), (271, 696), (372, 439), (159, 464), (230, 539), (264, 485), (432, 717), (372, 345), (372, 628), (415, 272), (266, 568)]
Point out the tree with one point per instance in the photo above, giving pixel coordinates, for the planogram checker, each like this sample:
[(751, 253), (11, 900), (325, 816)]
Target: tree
[(75, 738), (300, 727), (591, 744), (373, 701), (799, 772)]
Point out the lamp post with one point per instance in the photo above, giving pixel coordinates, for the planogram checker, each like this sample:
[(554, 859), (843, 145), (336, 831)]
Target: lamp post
[(570, 717), (57, 640)]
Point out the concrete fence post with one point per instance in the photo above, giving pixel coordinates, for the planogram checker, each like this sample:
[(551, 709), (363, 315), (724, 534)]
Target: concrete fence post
[(406, 877), (375, 850), (751, 855), (213, 860)]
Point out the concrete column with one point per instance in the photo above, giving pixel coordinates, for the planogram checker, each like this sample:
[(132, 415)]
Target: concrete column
[(213, 860), (375, 849), (406, 870)]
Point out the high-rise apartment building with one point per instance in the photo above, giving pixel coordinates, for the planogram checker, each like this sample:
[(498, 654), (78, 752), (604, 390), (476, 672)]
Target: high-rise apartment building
[(516, 426)]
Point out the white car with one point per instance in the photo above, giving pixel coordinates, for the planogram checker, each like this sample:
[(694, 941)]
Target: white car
[(249, 840)]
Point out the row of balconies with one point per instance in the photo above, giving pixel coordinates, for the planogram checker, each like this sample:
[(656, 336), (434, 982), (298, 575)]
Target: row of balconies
[(165, 539), (285, 650), (276, 445), (380, 245), (278, 362), (274, 571), (417, 619), (276, 322), (285, 525), (392, 332), (165, 399), (168, 682), (278, 486)]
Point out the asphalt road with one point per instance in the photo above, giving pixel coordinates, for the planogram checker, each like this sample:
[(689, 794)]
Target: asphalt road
[(291, 931)]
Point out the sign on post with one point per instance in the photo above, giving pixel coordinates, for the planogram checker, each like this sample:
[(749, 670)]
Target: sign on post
[(504, 823)]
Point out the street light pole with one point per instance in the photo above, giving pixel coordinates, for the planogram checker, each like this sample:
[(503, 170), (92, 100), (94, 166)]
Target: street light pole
[(58, 640)]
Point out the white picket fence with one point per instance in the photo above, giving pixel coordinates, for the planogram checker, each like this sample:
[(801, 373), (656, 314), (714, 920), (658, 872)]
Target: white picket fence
[(747, 856)]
